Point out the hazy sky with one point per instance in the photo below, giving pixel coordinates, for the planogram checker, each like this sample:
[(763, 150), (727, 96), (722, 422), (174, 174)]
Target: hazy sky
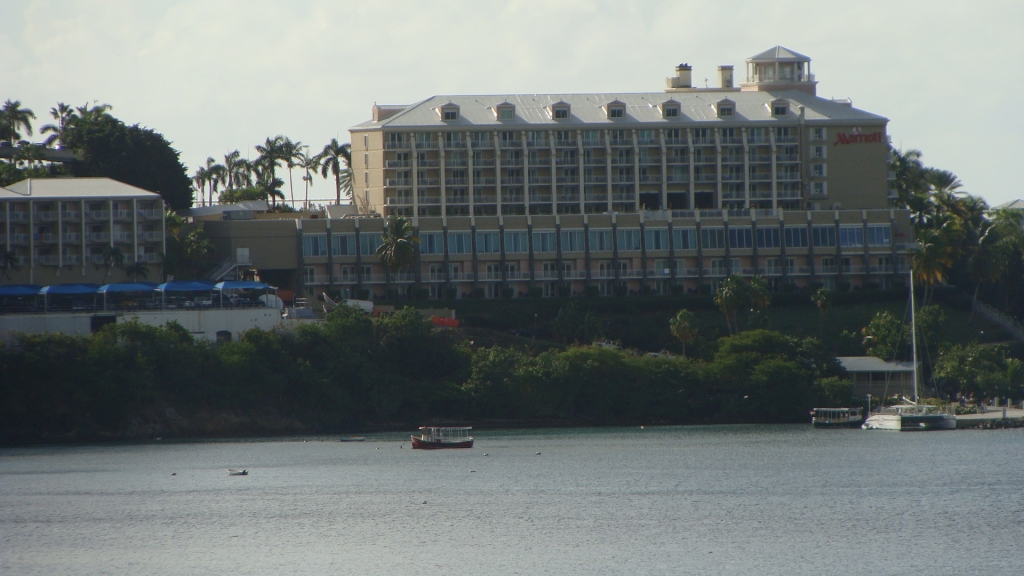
[(216, 76)]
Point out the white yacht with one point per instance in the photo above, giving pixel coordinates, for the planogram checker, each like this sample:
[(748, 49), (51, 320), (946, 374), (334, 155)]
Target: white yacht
[(910, 415)]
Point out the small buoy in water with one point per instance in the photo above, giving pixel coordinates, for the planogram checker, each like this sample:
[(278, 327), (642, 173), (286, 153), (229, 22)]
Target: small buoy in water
[(538, 453), (471, 471), (424, 501), (174, 473), (378, 448), (641, 427), (486, 454)]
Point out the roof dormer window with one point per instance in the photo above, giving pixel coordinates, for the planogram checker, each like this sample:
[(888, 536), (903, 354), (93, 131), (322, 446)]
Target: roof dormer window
[(505, 111), (615, 109), (725, 108), (449, 112), (559, 110), (669, 109), (780, 107)]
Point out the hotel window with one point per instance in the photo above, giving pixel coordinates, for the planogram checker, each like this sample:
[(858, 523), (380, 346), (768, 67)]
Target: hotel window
[(366, 141), (450, 113), (780, 110), (616, 112), (309, 275), (368, 244), (314, 245), (879, 235), (796, 237), (818, 170), (824, 236), (817, 133), (431, 243), (767, 237), (818, 152), (481, 140), (712, 238), (851, 236), (740, 238), (684, 238), (572, 241), (600, 240), (487, 243), (656, 238), (819, 188), (724, 111), (591, 137), (628, 240), (516, 242), (544, 242), (506, 113), (343, 244), (459, 243), (560, 112), (670, 112)]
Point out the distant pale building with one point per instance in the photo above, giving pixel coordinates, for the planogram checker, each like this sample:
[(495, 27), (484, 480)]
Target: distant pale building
[(57, 230)]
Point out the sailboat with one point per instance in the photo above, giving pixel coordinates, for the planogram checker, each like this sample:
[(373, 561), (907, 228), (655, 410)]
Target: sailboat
[(910, 415)]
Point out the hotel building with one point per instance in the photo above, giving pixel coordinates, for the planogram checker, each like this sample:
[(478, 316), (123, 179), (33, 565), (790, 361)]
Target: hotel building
[(659, 192), (58, 230)]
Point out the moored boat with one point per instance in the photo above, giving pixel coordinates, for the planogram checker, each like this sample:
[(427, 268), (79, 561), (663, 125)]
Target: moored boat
[(436, 437), (836, 417), (236, 472)]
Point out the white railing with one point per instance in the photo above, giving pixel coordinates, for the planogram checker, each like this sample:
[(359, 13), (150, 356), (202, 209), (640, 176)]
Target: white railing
[(996, 317)]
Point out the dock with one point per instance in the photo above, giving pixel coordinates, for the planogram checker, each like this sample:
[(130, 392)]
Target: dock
[(992, 417)]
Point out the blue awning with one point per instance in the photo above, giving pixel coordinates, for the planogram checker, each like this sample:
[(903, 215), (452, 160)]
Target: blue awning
[(186, 286), (241, 285), (70, 289), (128, 287), (20, 290)]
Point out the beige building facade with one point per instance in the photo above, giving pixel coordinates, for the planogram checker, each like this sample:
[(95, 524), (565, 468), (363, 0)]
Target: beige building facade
[(58, 230)]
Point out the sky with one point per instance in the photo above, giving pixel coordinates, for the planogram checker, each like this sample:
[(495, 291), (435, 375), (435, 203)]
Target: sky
[(214, 76)]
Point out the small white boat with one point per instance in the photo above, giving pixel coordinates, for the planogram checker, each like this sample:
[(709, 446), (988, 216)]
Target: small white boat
[(236, 472), (354, 439)]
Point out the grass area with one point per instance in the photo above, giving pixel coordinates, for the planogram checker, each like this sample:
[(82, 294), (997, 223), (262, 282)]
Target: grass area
[(642, 322)]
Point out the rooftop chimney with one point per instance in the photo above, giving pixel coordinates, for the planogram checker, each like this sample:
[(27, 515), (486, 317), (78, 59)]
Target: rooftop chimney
[(682, 77), (725, 76)]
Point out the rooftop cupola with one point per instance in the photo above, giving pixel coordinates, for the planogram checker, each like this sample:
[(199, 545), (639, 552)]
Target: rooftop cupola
[(779, 69)]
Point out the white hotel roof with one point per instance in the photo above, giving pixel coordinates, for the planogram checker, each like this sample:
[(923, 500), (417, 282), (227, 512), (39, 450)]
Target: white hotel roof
[(641, 108), (44, 188)]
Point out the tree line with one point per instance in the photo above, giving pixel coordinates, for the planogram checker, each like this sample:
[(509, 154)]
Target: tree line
[(238, 179), (102, 145), (354, 371)]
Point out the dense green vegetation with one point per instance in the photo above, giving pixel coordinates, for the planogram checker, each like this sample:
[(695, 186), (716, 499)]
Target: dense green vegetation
[(102, 145), (354, 371)]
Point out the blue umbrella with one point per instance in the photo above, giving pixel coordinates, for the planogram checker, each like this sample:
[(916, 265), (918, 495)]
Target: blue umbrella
[(20, 290)]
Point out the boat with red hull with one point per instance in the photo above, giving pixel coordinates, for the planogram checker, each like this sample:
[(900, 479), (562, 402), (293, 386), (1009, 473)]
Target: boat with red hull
[(439, 437)]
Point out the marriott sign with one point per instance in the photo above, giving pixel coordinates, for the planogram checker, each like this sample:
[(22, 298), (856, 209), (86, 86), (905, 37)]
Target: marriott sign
[(856, 137)]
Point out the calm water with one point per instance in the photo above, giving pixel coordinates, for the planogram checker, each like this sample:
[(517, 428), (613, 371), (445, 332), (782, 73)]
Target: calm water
[(696, 500)]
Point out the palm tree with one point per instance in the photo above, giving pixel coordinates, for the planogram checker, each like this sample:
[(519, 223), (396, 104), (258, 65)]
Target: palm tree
[(292, 154), (684, 327), (197, 249), (729, 299), (136, 270), (309, 164), (337, 159), (8, 262), (823, 300), (113, 257), (236, 168), (932, 260), (909, 173), (63, 114), (267, 183), (271, 154), (216, 174), (199, 179), (988, 246), (398, 244), (14, 118)]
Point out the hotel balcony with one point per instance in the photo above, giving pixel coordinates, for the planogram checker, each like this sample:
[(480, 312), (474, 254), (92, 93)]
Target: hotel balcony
[(45, 260), (601, 197), (428, 182), (650, 179), (68, 215), (705, 178), (675, 142), (98, 214), (45, 216), (397, 145), (540, 180), (731, 140), (786, 140), (513, 198), (732, 159), (516, 181), (484, 199), (483, 163), (454, 144), (456, 181), (45, 238), (489, 181), (788, 158), (455, 163), (123, 214), (540, 198), (398, 164), (426, 145), (511, 143), (71, 237), (124, 237), (568, 180), (621, 161), (19, 238), (568, 197), (762, 141), (594, 180), (461, 199), (399, 201), (592, 161), (703, 141), (97, 237), (568, 143), (619, 197)]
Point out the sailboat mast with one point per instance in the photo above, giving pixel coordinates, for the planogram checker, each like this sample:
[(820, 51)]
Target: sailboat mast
[(913, 334)]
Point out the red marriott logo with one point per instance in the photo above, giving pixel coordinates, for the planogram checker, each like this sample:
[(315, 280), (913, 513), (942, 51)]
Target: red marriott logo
[(856, 137)]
